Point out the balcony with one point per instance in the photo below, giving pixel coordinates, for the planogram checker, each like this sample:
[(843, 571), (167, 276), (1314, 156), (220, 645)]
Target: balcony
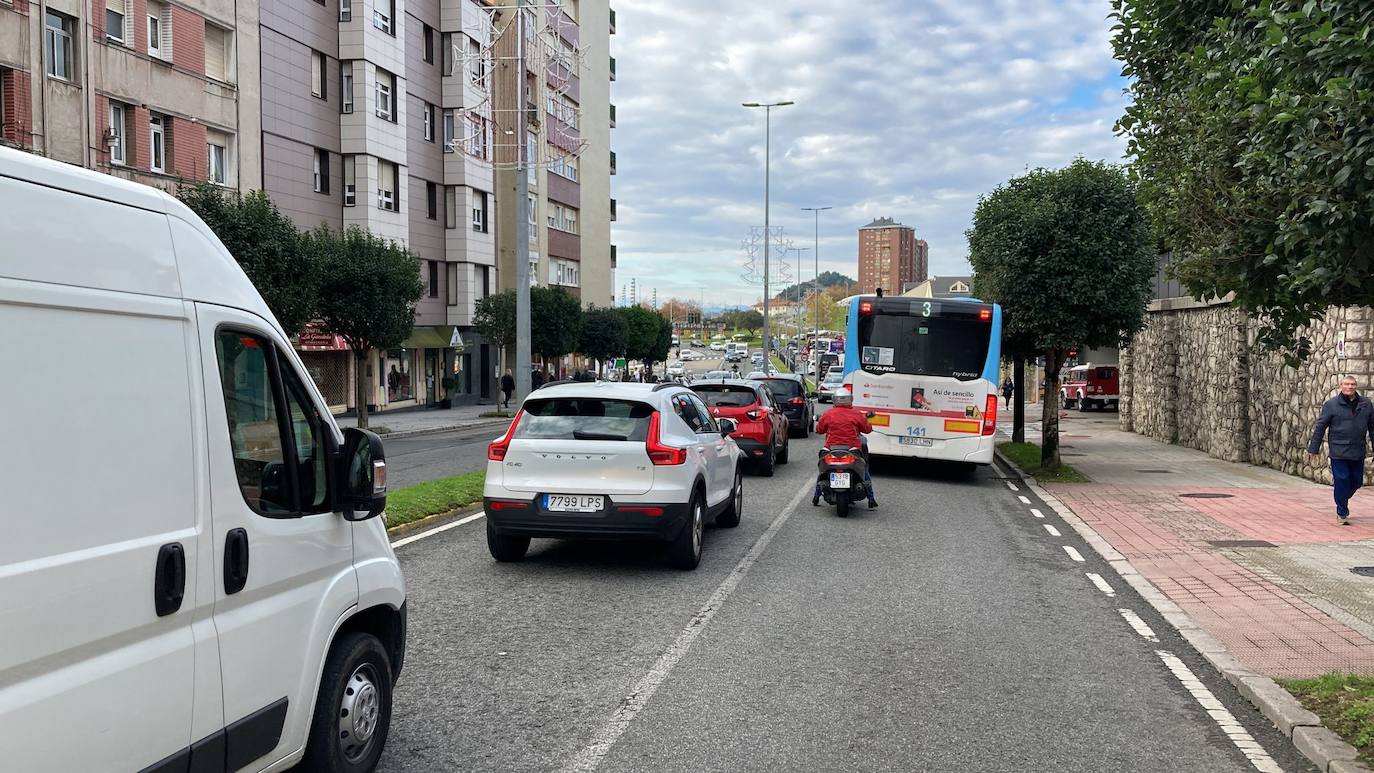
[(612, 115), (612, 68), (612, 162), (612, 21), (612, 210)]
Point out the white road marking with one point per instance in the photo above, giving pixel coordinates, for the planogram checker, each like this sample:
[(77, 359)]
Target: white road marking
[(430, 533), (591, 755), (1101, 583), (1011, 485), (1229, 725), (1140, 626), (1023, 499), (1053, 531), (1074, 554), (1037, 513)]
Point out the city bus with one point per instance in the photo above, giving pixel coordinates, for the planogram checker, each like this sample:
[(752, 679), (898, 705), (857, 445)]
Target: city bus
[(927, 369)]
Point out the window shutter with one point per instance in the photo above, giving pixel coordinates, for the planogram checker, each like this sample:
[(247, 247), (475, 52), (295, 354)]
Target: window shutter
[(216, 54)]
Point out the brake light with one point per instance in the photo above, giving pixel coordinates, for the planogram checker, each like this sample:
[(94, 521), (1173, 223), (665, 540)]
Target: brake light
[(865, 307), (497, 505), (985, 314), (990, 415), (797, 401), (754, 415), (660, 454), (649, 511), (496, 452)]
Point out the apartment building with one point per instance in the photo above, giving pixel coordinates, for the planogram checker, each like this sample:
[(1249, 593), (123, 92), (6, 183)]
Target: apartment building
[(159, 91), (890, 257), (377, 114)]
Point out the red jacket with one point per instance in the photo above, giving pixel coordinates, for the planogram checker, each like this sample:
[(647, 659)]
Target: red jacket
[(842, 426)]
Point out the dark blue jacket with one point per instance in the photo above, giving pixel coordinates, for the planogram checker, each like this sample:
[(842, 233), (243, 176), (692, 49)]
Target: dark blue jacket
[(1345, 427)]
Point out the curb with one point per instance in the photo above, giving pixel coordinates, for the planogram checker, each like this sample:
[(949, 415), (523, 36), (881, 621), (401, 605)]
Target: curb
[(446, 428), (1324, 748), (430, 521)]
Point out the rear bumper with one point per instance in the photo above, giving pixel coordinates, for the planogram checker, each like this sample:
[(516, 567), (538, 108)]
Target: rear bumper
[(976, 449), (750, 448), (624, 520)]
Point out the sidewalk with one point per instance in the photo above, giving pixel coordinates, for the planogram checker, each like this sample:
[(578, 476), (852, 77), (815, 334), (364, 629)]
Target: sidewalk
[(424, 421), (1253, 555)]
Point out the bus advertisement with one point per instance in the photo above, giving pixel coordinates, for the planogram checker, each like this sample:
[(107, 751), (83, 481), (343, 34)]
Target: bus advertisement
[(927, 369)]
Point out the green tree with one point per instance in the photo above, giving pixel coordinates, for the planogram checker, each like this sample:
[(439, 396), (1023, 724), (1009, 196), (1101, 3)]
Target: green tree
[(555, 322), (604, 335), (662, 343), (368, 293), (266, 244), (1068, 255), (1253, 140), (642, 330), (494, 318), (747, 320)]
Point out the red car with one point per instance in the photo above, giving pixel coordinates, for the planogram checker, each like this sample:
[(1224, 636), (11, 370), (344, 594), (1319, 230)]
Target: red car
[(1091, 386), (760, 425)]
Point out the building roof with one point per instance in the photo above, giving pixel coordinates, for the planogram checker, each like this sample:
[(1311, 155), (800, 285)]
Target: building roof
[(886, 222)]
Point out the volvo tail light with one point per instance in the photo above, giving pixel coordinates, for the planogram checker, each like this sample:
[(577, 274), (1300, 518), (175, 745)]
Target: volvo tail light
[(660, 454), (496, 452), (990, 415)]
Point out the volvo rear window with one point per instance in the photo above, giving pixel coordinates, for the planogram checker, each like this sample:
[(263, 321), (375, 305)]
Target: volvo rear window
[(584, 418), (725, 395)]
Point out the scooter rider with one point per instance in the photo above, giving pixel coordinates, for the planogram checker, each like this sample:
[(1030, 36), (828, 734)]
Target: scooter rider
[(844, 427)]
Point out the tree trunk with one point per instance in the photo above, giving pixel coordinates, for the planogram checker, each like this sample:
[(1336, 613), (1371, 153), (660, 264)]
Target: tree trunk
[(360, 385), (1049, 438), (1018, 399)]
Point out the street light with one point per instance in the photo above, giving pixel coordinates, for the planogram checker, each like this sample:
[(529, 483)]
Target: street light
[(816, 288), (767, 235)]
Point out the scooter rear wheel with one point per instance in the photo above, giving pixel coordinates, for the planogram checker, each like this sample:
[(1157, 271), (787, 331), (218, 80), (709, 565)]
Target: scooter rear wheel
[(842, 504)]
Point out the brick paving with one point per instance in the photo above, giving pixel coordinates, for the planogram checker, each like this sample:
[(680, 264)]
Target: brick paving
[(1288, 611)]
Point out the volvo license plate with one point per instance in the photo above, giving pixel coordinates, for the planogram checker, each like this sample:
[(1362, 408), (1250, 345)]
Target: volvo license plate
[(573, 503), (915, 441), (839, 480)]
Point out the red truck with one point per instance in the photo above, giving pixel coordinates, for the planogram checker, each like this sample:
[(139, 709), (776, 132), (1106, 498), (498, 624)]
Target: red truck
[(1091, 386)]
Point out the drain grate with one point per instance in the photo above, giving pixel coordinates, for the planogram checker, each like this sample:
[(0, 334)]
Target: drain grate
[(1158, 472), (1363, 571), (1241, 543), (1206, 495)]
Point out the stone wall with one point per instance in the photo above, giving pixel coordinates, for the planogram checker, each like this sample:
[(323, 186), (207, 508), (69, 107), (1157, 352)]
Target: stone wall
[(1196, 376)]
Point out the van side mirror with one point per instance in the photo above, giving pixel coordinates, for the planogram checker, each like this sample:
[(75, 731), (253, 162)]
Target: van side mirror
[(813, 394), (362, 476), (727, 426)]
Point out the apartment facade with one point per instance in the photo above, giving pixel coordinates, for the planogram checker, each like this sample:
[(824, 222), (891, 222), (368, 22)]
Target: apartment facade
[(164, 92), (890, 257)]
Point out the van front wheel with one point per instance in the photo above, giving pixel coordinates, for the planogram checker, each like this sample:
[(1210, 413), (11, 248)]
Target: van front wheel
[(353, 709)]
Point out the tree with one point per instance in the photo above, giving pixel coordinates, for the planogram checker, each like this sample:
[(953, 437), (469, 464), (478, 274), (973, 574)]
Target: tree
[(604, 335), (1068, 255), (662, 343), (266, 244), (555, 322), (494, 319), (681, 312), (825, 281), (642, 329), (1253, 141), (747, 320), (368, 293)]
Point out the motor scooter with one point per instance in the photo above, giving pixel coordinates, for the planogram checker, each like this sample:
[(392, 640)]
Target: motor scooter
[(841, 476)]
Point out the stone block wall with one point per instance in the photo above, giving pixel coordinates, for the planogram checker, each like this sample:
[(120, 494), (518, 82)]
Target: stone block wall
[(1196, 376)]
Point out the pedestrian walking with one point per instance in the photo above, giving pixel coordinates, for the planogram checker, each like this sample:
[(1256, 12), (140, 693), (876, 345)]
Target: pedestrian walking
[(1008, 389), (507, 388), (1346, 421)]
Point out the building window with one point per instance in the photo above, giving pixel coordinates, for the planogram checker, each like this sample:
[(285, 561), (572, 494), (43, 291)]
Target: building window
[(114, 22), (532, 159), (477, 136), (157, 144), (446, 63), (450, 206), (450, 141), (346, 86), (321, 171), (564, 272), (383, 16), (159, 41), (219, 50), (427, 33), (434, 279), (386, 95), (57, 44), (484, 272), (318, 63), (386, 186), (477, 68), (350, 181), (563, 218), (429, 122), (431, 201), (532, 217), (345, 10), (116, 133), (217, 152), (563, 164), (479, 211)]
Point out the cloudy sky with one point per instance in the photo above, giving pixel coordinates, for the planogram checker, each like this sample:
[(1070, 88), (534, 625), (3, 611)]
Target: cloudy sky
[(904, 108)]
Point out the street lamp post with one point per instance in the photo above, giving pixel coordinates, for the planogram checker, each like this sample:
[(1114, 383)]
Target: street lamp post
[(767, 234), (816, 289)]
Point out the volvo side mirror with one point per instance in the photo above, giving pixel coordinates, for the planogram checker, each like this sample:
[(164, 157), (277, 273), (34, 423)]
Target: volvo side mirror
[(362, 477)]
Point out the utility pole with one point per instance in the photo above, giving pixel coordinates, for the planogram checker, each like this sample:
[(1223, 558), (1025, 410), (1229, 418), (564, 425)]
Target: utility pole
[(523, 354), (816, 289), (767, 233)]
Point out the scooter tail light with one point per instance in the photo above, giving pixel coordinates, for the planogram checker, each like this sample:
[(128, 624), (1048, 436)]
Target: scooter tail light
[(990, 415), (496, 452), (660, 454)]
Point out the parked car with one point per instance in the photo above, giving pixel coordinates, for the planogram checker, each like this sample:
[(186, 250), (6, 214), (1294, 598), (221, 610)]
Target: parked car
[(760, 427), (790, 395), (832, 381), (138, 634), (1091, 386), (612, 461)]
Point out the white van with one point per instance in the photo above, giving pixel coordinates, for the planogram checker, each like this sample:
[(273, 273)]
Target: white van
[(192, 573)]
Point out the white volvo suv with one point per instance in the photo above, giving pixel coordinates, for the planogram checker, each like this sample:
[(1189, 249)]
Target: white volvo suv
[(606, 460)]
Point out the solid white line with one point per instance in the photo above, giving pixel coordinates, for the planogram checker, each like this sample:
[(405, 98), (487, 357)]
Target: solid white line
[(1229, 725), (591, 755), (1101, 583), (1074, 554), (1053, 531), (1140, 626), (417, 537), (1023, 499), (1037, 513), (1011, 485)]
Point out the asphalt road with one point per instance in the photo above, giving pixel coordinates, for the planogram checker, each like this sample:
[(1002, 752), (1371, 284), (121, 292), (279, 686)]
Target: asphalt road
[(946, 630)]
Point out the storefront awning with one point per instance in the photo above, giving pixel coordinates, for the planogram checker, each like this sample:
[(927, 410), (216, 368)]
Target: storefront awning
[(429, 337)]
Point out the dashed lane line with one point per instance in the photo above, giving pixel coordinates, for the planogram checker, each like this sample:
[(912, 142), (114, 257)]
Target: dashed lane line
[(1074, 554), (1037, 513), (1101, 584), (1228, 723), (1011, 485), (1140, 626), (1024, 499), (1053, 531)]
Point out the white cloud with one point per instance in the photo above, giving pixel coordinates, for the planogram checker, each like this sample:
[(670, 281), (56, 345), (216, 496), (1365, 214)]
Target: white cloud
[(904, 109)]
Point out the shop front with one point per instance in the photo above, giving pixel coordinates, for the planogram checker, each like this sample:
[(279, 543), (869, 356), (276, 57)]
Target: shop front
[(329, 362)]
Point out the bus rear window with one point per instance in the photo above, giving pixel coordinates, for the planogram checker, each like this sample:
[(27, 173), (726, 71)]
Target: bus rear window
[(925, 346)]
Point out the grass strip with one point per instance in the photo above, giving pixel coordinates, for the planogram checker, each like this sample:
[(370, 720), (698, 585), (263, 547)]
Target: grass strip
[(1027, 457), (433, 497), (1345, 702)]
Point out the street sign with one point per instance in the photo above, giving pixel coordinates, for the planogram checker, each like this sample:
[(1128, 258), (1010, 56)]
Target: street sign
[(455, 341)]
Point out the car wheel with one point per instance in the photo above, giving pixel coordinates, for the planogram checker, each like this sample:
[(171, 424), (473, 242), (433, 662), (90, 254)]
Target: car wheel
[(806, 427), (729, 517), (505, 548), (786, 446), (353, 709), (685, 550), (768, 462)]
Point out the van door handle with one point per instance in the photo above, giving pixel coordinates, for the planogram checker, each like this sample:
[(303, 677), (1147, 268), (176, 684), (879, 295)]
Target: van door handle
[(235, 561), (169, 584)]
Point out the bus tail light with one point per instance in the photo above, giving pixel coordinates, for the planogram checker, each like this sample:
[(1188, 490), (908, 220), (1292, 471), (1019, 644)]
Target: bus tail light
[(990, 415), (985, 314), (865, 307)]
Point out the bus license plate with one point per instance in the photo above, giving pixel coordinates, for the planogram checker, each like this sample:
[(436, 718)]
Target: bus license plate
[(573, 503), (839, 480), (915, 441)]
